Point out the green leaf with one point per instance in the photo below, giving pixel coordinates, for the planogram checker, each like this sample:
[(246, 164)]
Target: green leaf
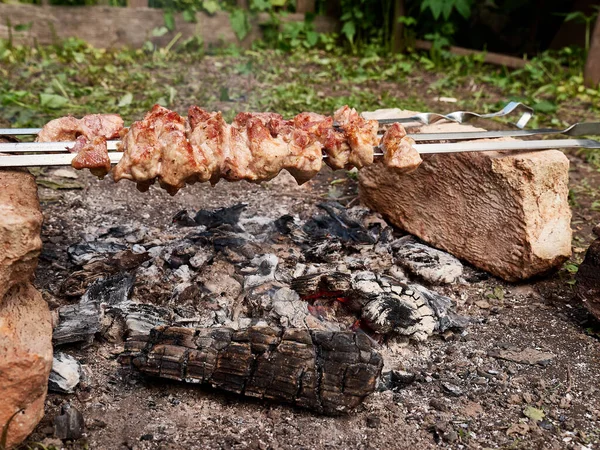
[(125, 100), (545, 107), (463, 7), (159, 31), (169, 20), (239, 23), (349, 30), (534, 413), (189, 15), (53, 101), (278, 2), (210, 6), (312, 37), (261, 5)]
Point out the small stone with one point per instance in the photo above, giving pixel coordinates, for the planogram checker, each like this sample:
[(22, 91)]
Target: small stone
[(146, 437), (70, 424), (529, 356), (438, 405), (518, 428), (483, 304), (451, 436), (452, 389), (373, 422)]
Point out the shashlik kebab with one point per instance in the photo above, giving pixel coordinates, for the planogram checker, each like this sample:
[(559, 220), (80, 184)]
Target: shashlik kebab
[(176, 151)]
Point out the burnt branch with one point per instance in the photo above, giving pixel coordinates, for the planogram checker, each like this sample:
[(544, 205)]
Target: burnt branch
[(328, 372)]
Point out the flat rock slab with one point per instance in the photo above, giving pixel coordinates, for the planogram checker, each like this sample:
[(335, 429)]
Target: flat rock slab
[(503, 212)]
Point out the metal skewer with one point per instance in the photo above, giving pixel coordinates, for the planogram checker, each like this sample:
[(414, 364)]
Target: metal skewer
[(465, 116), (578, 129), (64, 159), (424, 118)]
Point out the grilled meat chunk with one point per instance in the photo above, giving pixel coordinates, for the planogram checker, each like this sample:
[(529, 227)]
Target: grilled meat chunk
[(398, 150), (69, 128), (255, 147), (157, 147), (92, 155), (361, 135), (350, 145)]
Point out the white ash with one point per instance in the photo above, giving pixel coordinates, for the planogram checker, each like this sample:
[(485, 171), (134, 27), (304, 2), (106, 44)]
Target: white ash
[(430, 264), (265, 267), (65, 375)]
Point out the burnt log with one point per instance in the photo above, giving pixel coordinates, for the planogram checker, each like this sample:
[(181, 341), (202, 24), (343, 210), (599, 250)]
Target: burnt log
[(327, 372)]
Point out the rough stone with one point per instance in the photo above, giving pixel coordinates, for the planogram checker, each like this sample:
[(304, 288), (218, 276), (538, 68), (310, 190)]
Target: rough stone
[(20, 225), (25, 322), (506, 213)]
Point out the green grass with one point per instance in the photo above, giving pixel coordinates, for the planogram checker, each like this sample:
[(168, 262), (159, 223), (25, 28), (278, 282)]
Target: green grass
[(42, 82)]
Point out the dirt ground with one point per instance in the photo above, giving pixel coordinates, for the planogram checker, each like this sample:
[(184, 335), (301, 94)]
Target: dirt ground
[(486, 411)]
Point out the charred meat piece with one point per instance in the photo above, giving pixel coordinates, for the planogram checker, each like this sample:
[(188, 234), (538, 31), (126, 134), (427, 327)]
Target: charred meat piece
[(398, 150), (157, 147), (92, 155), (69, 128)]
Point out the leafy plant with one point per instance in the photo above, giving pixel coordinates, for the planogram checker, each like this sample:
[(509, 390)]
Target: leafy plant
[(588, 20), (445, 8)]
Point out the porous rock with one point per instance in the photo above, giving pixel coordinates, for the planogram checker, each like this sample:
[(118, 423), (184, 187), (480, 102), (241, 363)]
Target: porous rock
[(25, 323), (20, 224), (504, 212)]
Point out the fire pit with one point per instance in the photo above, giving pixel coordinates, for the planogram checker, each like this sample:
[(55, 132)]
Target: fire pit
[(269, 307)]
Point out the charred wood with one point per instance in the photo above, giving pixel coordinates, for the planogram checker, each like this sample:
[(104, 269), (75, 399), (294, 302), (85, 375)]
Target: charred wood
[(328, 372)]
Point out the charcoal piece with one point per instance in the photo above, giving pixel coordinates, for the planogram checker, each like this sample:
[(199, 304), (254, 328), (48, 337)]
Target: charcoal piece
[(318, 285), (442, 307), (81, 322), (327, 372), (69, 425), (285, 224), (327, 251), (77, 323), (84, 252), (336, 224), (65, 374), (222, 216), (183, 219)]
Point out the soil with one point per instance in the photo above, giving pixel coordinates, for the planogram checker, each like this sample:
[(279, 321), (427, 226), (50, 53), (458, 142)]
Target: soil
[(461, 396)]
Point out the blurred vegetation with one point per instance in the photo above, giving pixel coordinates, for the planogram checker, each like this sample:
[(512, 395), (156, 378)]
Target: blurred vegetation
[(294, 68)]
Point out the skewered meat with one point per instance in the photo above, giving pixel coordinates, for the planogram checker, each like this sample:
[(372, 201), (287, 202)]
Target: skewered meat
[(69, 128), (361, 135), (350, 145), (398, 150), (255, 147), (157, 147), (91, 155)]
